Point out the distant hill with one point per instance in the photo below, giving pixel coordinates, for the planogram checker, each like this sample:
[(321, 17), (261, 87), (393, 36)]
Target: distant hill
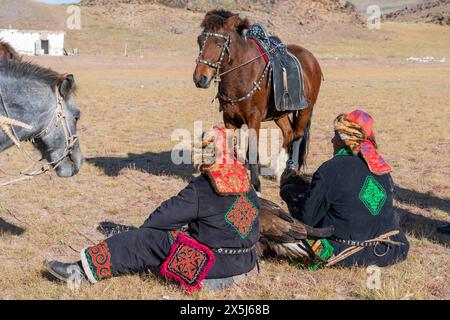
[(205, 5), (386, 6), (198, 5), (108, 24), (27, 14), (306, 16), (432, 11)]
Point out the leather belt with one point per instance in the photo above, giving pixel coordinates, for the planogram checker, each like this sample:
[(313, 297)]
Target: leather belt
[(232, 250), (367, 243)]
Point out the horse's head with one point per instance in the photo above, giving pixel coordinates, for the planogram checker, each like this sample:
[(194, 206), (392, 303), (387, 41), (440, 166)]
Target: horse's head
[(58, 141), (220, 30), (7, 52)]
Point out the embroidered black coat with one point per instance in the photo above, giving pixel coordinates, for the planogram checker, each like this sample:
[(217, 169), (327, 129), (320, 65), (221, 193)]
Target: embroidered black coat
[(346, 195), (213, 220)]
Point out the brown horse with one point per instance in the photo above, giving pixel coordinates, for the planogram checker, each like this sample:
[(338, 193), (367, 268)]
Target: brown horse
[(7, 52), (244, 92)]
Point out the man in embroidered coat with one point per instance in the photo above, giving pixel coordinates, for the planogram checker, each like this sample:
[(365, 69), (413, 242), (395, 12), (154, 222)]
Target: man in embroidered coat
[(352, 192), (220, 209)]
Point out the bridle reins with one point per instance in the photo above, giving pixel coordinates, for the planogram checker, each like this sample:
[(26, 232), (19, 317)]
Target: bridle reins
[(226, 47), (58, 118)]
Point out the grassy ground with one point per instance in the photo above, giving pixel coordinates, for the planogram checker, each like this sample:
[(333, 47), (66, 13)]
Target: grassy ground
[(131, 106)]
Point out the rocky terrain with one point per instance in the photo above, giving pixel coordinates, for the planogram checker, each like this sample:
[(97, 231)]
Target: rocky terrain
[(283, 17), (386, 6), (435, 11)]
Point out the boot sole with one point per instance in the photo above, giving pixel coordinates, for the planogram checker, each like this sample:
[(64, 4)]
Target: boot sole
[(53, 273)]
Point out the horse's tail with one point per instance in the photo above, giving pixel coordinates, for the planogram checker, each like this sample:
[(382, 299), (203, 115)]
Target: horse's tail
[(304, 146)]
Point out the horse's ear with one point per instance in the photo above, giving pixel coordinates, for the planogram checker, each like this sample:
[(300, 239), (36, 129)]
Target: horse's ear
[(237, 23), (67, 86), (232, 22)]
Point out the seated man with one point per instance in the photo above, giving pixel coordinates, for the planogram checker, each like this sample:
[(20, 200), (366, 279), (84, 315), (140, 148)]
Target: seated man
[(352, 192), (220, 209)]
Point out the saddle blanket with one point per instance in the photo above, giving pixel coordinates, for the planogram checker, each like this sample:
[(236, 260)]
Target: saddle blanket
[(286, 70)]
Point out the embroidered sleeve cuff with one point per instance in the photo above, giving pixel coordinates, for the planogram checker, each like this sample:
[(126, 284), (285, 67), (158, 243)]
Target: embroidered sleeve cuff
[(96, 262)]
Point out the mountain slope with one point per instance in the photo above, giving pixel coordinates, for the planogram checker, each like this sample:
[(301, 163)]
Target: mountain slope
[(433, 11), (108, 24), (27, 14)]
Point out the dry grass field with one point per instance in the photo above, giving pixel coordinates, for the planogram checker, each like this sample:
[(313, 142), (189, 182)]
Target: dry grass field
[(130, 106)]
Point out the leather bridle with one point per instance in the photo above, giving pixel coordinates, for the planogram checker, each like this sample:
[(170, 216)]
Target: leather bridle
[(58, 118), (226, 46)]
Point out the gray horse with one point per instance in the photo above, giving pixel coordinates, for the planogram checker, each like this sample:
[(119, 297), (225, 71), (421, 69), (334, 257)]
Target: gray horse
[(43, 99)]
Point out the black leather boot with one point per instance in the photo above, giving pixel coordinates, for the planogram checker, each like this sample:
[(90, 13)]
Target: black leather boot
[(72, 273)]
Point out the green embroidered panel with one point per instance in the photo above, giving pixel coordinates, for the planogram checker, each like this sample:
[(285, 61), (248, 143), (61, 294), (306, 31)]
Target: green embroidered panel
[(373, 195), (241, 216)]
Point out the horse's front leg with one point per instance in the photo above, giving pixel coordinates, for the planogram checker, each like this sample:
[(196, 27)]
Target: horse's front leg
[(288, 136), (254, 126), (301, 138)]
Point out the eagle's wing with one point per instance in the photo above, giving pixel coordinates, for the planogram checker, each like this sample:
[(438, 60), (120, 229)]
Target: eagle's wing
[(277, 225), (285, 236)]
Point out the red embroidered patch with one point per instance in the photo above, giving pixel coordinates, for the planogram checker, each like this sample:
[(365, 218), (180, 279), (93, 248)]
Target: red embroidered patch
[(99, 260), (228, 179), (242, 215), (188, 263)]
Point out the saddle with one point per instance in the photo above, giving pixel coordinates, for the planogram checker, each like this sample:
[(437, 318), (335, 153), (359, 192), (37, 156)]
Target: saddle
[(286, 70)]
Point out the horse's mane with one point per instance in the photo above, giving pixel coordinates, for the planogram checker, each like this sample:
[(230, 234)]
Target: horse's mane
[(215, 20), (25, 69), (9, 51)]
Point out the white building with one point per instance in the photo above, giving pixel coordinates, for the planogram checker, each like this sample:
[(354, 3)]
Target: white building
[(32, 42)]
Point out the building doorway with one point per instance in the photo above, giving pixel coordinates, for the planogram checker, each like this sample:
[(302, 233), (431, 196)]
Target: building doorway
[(44, 46)]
